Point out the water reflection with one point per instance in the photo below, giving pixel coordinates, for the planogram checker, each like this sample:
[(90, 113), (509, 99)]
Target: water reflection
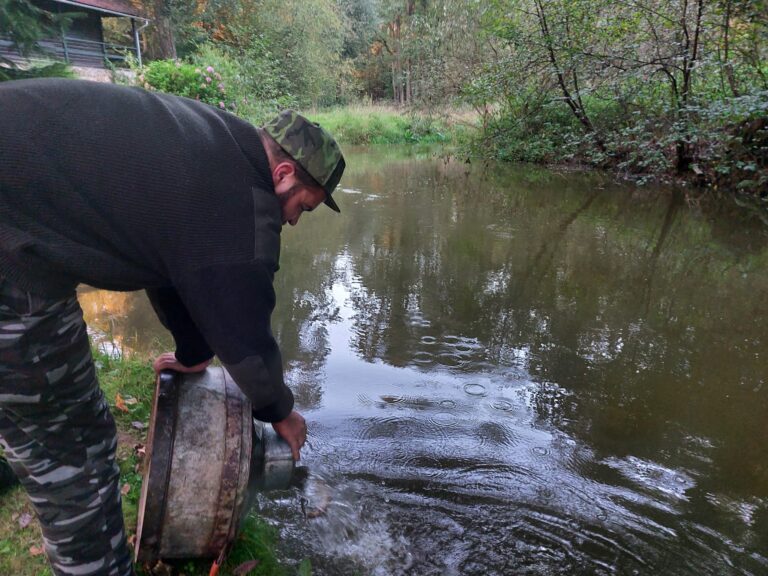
[(509, 371)]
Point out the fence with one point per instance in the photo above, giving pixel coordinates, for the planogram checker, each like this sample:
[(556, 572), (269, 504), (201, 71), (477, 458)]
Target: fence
[(76, 51)]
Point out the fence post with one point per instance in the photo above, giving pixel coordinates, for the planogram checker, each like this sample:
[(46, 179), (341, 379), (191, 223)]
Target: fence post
[(136, 44)]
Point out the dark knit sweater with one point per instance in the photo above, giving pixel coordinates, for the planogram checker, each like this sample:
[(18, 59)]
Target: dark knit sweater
[(125, 189)]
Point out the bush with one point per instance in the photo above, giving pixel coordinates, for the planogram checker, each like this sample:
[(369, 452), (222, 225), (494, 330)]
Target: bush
[(199, 83), (731, 143), (222, 76), (520, 133), (254, 84)]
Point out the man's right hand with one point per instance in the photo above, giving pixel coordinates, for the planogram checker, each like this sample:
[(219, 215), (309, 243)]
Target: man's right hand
[(167, 361), (293, 430)]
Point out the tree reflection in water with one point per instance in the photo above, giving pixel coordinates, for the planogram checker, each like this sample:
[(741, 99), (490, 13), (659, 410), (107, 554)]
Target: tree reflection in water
[(637, 319)]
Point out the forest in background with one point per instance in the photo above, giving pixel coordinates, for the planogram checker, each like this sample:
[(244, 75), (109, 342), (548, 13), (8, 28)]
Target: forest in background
[(651, 89)]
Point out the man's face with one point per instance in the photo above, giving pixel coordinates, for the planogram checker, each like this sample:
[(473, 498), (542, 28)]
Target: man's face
[(294, 196), (300, 199)]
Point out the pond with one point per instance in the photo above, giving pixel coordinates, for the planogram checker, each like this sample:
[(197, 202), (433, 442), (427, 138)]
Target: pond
[(513, 371)]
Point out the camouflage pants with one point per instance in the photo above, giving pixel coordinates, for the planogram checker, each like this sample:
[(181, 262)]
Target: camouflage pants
[(58, 434)]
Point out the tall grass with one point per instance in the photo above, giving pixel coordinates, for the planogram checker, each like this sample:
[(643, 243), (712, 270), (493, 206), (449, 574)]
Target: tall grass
[(373, 124)]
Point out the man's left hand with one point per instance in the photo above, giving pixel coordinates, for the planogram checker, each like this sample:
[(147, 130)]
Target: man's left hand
[(168, 361)]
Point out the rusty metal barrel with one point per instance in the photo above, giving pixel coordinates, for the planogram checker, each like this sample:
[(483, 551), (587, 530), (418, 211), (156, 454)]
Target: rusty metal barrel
[(206, 459)]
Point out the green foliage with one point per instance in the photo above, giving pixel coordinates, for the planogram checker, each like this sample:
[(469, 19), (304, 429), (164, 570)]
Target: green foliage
[(658, 89), (247, 86), (648, 89), (25, 24), (252, 78), (130, 377), (257, 542), (366, 125), (191, 26), (731, 143), (361, 21), (306, 38), (525, 131), (199, 83)]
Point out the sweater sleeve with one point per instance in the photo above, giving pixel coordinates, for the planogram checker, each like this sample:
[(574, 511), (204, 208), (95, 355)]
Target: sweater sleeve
[(191, 346), (232, 305)]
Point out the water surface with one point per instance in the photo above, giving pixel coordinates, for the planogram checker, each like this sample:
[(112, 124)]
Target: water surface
[(513, 371)]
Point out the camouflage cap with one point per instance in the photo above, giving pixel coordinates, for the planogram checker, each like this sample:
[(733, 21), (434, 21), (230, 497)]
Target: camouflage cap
[(311, 146)]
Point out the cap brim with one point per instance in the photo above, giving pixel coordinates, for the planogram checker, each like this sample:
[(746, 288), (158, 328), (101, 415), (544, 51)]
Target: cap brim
[(331, 203)]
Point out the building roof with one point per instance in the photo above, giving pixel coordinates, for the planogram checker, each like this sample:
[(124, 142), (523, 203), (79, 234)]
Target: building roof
[(114, 7)]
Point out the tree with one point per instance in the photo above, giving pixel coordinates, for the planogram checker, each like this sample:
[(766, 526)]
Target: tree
[(26, 24), (160, 42)]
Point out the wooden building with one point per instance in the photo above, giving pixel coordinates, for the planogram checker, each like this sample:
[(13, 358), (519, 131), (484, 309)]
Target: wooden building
[(82, 44)]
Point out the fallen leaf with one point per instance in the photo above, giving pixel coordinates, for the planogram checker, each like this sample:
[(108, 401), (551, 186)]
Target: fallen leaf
[(130, 401), (36, 550), (245, 568), (24, 520), (161, 569), (125, 489), (15, 516), (120, 403), (140, 451), (138, 425)]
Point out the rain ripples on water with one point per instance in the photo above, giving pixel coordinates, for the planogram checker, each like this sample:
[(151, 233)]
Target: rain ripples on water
[(514, 372)]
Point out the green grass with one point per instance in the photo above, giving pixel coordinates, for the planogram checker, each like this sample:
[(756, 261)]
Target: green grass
[(386, 125), (17, 541), (128, 385)]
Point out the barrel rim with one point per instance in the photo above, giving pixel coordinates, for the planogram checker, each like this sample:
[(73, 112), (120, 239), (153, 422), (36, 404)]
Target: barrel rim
[(153, 500)]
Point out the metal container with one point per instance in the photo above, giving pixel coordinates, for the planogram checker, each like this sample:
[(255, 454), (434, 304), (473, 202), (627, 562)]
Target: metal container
[(206, 459)]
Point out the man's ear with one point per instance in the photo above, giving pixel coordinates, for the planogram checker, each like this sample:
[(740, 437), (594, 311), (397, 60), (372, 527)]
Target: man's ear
[(282, 170)]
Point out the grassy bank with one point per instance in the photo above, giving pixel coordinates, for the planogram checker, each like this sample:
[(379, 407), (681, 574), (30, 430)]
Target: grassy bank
[(719, 144), (128, 384), (214, 77), (725, 151), (373, 124)]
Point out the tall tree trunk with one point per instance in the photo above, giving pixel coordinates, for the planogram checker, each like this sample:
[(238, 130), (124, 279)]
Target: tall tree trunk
[(691, 53), (162, 45), (394, 29), (408, 92), (727, 65), (690, 57), (395, 96)]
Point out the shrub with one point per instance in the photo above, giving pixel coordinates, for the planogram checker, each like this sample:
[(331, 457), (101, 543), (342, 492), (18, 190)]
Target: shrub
[(731, 143), (254, 84), (200, 83)]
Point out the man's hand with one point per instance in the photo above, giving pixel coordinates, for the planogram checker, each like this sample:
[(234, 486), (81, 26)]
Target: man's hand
[(294, 431), (168, 361)]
